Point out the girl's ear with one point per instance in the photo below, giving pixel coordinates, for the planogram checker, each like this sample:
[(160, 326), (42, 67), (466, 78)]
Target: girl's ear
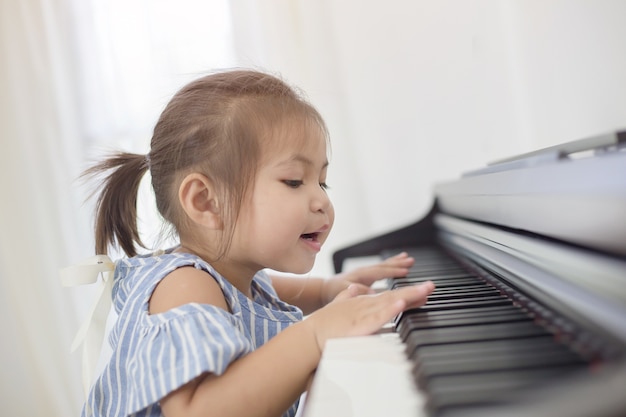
[(199, 200)]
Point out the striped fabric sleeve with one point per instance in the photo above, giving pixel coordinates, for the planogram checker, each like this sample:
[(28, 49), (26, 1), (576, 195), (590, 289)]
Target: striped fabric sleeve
[(183, 343)]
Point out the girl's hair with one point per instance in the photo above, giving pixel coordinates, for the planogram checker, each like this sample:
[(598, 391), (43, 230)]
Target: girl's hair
[(218, 125)]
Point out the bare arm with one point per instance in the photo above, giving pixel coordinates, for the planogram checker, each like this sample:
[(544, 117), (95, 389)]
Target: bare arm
[(267, 381), (306, 293)]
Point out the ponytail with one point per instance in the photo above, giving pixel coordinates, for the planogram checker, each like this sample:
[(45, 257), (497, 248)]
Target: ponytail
[(116, 206)]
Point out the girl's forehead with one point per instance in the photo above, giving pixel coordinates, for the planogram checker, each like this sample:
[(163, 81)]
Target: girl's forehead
[(293, 138)]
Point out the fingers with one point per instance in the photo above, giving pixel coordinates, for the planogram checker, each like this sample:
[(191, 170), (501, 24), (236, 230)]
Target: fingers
[(415, 295), (385, 306), (353, 290), (399, 264), (401, 258), (396, 301), (352, 314), (395, 266)]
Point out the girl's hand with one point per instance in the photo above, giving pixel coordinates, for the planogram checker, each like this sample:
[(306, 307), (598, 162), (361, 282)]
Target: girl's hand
[(364, 277), (352, 314)]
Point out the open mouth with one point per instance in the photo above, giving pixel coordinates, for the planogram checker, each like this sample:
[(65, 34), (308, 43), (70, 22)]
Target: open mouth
[(309, 236)]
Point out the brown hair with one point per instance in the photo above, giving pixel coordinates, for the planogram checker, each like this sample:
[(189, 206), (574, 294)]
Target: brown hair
[(214, 125)]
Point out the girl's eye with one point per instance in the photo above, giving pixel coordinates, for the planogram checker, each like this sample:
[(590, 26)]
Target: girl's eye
[(293, 183), (324, 186)]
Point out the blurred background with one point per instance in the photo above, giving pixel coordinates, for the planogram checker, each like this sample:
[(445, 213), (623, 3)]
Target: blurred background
[(414, 92)]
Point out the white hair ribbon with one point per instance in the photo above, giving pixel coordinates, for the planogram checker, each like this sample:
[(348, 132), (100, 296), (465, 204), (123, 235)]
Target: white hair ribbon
[(91, 332)]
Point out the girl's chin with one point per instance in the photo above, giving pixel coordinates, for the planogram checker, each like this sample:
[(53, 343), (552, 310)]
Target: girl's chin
[(300, 269)]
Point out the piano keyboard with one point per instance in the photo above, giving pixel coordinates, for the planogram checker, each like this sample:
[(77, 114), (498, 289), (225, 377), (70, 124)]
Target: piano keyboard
[(477, 342)]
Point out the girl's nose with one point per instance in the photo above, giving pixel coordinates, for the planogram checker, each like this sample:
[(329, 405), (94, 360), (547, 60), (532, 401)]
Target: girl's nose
[(321, 201)]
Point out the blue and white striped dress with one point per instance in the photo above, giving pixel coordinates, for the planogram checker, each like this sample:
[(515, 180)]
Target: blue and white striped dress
[(154, 355)]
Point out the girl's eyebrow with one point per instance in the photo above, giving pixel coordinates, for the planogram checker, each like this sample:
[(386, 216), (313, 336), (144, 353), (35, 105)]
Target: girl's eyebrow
[(301, 158)]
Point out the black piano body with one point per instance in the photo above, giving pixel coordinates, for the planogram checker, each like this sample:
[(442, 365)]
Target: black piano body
[(529, 259)]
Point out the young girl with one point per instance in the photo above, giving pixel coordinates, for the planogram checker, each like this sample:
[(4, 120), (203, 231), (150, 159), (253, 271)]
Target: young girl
[(238, 162)]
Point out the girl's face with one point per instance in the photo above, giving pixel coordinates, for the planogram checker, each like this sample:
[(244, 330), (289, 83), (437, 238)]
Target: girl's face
[(288, 215)]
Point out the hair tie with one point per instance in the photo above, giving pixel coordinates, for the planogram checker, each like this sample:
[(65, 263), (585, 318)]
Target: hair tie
[(147, 160)]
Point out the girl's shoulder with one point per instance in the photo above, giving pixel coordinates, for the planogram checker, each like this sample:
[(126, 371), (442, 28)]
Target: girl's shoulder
[(138, 276), (161, 260), (154, 266)]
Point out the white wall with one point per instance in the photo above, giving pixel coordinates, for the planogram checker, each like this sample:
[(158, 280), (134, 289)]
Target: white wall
[(416, 92)]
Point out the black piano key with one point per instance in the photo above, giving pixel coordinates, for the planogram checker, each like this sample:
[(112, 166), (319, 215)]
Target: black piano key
[(403, 326), (472, 310), (481, 357), (481, 348), (501, 361), (493, 380), (464, 312), (459, 323), (466, 289), (461, 392), (423, 323), (452, 321), (474, 303), (463, 295), (417, 339), (439, 284), (482, 300), (410, 279)]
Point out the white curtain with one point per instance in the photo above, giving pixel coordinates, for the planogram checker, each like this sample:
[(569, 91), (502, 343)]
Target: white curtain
[(414, 92), (42, 225), (77, 78)]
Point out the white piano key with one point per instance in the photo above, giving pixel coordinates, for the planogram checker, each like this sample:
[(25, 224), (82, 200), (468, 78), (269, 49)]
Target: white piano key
[(354, 371)]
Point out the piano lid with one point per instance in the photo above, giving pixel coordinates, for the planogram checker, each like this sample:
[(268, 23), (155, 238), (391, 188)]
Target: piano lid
[(575, 192)]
